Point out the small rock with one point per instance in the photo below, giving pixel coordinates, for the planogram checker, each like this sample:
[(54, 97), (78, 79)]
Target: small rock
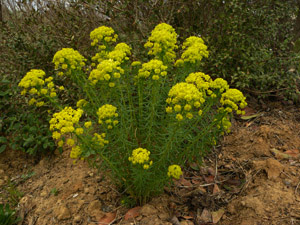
[(63, 213), (287, 182), (274, 168), (86, 190), (94, 209), (75, 195), (92, 190), (151, 220), (1, 171), (44, 193), (77, 219), (94, 205), (186, 222), (1, 182), (49, 211), (163, 216), (23, 200), (148, 210), (4, 166)]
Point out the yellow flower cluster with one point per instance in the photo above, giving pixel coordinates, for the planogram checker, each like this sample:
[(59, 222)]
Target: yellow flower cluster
[(88, 124), (34, 84), (136, 63), (103, 34), (195, 50), (100, 139), (107, 115), (206, 85), (233, 99), (226, 124), (108, 71), (155, 68), (141, 156), (68, 59), (120, 53), (100, 56), (32, 79), (162, 42), (75, 152), (184, 99), (63, 122), (81, 103), (220, 85), (201, 80), (174, 171)]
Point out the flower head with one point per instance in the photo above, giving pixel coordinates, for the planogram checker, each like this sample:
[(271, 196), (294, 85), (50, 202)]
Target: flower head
[(233, 99), (195, 50), (107, 115), (219, 85), (102, 35), (140, 156), (120, 53), (185, 99), (107, 71), (162, 42), (174, 171), (100, 139), (68, 59), (154, 68), (37, 87), (65, 120), (200, 80), (81, 103)]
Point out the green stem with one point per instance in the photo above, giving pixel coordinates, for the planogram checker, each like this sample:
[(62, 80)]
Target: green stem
[(168, 147), (153, 103), (140, 96), (132, 114), (106, 160)]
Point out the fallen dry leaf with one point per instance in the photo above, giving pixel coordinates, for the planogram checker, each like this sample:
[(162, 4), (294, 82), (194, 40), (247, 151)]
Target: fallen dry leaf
[(294, 153), (251, 117), (209, 179), (184, 182), (278, 154), (132, 213), (108, 219), (188, 217), (175, 221), (205, 216), (216, 216), (235, 182), (211, 171), (249, 111), (194, 166), (216, 189)]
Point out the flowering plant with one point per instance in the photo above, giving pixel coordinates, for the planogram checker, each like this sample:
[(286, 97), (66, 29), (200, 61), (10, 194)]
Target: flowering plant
[(144, 121)]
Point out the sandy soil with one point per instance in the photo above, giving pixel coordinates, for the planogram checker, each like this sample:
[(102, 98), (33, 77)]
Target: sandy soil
[(251, 178)]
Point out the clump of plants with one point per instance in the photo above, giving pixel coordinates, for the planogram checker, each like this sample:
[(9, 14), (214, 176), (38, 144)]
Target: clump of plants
[(7, 215), (143, 120)]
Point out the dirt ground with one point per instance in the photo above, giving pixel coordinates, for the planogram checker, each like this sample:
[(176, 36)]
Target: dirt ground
[(251, 178)]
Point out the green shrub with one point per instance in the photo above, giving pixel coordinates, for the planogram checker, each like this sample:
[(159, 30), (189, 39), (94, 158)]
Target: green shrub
[(143, 120), (20, 127)]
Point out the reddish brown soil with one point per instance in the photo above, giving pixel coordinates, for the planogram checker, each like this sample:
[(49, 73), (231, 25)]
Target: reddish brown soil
[(251, 178)]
